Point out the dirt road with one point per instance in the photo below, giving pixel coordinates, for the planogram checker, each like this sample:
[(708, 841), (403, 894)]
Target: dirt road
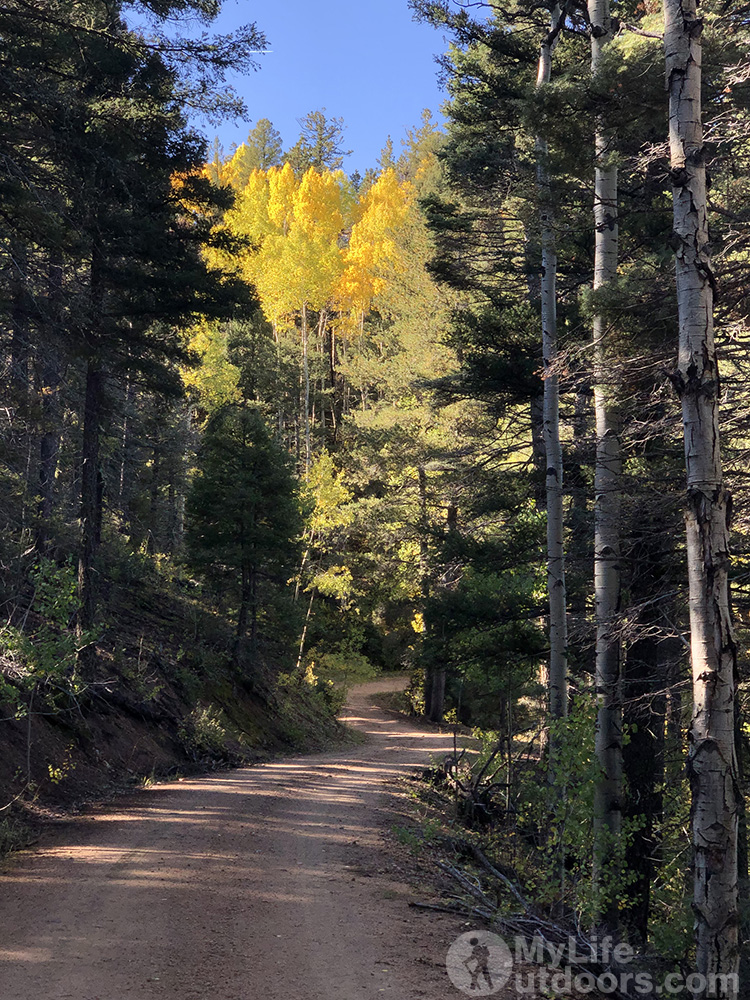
[(266, 883)]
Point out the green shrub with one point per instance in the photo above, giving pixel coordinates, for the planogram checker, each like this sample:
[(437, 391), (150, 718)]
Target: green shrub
[(45, 647), (14, 835), (203, 734), (342, 668)]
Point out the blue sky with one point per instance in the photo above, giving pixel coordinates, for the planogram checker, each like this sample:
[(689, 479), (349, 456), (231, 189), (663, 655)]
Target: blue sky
[(368, 63)]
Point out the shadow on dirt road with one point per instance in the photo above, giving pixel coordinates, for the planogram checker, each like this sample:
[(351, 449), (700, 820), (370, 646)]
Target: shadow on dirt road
[(264, 883)]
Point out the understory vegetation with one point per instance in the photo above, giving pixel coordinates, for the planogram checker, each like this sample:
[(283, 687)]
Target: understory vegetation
[(479, 414)]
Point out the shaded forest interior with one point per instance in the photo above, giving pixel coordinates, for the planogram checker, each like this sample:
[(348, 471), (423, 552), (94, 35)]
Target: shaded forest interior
[(268, 429)]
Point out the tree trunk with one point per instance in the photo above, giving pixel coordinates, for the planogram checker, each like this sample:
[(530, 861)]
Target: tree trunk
[(607, 487), (306, 377), (326, 412), (124, 489), (439, 672), (177, 481), (253, 609), (21, 446), (424, 580), (245, 599), (646, 675), (303, 637), (437, 695), (337, 402), (558, 629), (50, 377), (20, 343), (538, 450), (153, 544), (712, 762), (90, 494)]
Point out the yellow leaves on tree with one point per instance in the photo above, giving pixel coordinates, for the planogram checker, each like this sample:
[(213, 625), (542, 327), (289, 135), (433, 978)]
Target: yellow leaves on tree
[(215, 380), (294, 229), (319, 205), (329, 501), (299, 259), (328, 497), (299, 255), (250, 215), (282, 185), (311, 263), (372, 246)]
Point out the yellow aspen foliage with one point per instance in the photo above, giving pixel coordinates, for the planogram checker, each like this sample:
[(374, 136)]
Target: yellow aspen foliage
[(250, 214), (231, 171), (298, 256), (328, 496), (312, 261), (372, 247), (237, 168), (294, 229), (215, 379), (261, 215), (282, 185), (318, 206)]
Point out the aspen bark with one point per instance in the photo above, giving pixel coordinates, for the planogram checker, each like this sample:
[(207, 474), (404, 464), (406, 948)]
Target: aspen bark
[(306, 378), (424, 577), (712, 762), (153, 543), (123, 489), (558, 630), (91, 494), (607, 489)]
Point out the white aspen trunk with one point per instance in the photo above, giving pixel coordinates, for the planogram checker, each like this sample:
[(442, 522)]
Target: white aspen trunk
[(280, 407), (557, 674), (306, 376), (712, 763), (322, 323), (303, 637), (607, 489)]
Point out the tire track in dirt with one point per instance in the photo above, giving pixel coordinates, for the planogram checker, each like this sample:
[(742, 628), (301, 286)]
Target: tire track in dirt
[(263, 883)]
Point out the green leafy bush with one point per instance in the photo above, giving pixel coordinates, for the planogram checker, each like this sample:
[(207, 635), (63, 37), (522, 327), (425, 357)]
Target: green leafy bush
[(203, 734), (43, 649)]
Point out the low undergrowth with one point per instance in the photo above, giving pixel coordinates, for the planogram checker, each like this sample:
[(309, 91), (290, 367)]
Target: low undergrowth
[(511, 837), (167, 691)]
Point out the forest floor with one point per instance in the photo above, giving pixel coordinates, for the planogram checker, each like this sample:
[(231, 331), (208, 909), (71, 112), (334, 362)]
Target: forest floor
[(282, 880)]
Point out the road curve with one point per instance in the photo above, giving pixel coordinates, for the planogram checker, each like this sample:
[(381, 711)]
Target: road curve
[(264, 883)]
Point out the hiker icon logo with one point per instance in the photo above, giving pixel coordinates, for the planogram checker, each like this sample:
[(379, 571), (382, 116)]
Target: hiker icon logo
[(479, 963)]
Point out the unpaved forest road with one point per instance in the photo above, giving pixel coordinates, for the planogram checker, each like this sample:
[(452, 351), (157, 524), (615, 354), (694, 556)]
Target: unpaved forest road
[(263, 883)]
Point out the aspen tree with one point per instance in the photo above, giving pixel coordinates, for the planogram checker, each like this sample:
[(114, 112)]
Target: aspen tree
[(372, 246), (558, 630), (712, 763), (296, 261), (607, 488)]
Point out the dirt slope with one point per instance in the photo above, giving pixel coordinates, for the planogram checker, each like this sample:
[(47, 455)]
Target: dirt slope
[(263, 883)]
